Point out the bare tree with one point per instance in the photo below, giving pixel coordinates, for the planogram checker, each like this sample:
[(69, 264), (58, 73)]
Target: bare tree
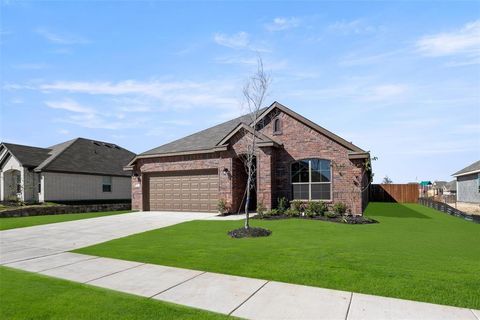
[(254, 93)]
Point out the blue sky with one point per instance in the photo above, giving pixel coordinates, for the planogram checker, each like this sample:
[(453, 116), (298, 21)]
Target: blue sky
[(401, 79)]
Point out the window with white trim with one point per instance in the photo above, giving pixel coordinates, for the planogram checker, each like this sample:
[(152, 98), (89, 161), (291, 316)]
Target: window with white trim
[(107, 184), (311, 179)]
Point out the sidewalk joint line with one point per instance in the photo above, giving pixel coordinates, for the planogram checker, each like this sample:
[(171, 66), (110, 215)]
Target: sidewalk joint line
[(474, 314), (107, 275), (176, 285), (349, 304), (68, 264), (249, 297), (26, 259)]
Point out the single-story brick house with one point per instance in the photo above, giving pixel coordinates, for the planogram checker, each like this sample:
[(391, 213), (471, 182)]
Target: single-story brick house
[(295, 158), (75, 170)]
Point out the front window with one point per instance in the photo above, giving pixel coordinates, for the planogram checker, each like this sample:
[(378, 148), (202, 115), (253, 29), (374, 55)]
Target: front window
[(311, 179), (107, 184)]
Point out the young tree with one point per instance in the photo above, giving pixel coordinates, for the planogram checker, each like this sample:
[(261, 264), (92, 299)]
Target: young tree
[(387, 180), (254, 93)]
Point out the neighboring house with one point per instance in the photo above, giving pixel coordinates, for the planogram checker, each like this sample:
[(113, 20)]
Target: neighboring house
[(437, 188), (450, 188), (295, 158), (79, 169), (424, 187), (468, 183)]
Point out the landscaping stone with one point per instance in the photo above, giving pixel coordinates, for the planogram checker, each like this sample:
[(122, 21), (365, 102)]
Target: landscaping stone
[(62, 209), (366, 307), (213, 291), (337, 219), (278, 300), (146, 280), (89, 270)]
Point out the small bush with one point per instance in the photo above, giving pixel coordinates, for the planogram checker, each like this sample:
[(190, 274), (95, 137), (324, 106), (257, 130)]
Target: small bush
[(292, 212), (261, 209), (330, 214), (316, 208), (297, 205), (274, 212), (340, 208), (222, 206), (282, 204)]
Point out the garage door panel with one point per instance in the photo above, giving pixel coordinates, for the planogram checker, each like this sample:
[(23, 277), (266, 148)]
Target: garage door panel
[(184, 191)]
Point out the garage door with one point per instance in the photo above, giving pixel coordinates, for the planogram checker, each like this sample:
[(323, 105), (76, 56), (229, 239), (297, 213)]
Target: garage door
[(184, 191)]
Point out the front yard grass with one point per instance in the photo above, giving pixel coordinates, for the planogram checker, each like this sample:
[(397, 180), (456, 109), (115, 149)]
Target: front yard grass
[(414, 253), (31, 296), (20, 222)]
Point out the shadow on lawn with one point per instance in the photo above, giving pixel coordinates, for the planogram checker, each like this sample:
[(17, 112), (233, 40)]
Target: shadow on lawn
[(396, 210)]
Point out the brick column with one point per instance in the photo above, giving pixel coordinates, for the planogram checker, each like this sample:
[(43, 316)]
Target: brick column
[(265, 176)]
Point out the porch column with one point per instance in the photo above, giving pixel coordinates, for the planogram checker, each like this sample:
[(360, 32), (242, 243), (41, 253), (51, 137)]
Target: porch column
[(265, 177)]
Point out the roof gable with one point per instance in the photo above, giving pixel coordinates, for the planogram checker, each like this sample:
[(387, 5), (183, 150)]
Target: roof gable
[(262, 139), (310, 124), (28, 156)]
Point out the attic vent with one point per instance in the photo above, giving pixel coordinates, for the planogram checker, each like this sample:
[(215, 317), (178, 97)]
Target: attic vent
[(117, 147), (108, 145), (96, 143)]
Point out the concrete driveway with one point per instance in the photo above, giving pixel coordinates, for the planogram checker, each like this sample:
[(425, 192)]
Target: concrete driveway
[(37, 241)]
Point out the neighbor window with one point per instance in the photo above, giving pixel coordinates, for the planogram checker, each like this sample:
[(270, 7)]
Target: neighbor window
[(18, 181), (277, 126), (478, 182), (311, 179), (107, 184)]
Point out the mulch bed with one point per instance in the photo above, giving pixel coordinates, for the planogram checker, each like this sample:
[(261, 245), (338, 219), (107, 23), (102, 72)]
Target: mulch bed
[(251, 232), (348, 219)]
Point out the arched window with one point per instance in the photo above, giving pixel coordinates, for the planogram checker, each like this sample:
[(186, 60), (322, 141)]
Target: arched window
[(311, 179), (277, 126)]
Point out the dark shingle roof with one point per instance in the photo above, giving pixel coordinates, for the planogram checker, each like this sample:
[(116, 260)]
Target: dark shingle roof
[(88, 156), (473, 167), (452, 185), (77, 156), (205, 139), (26, 155)]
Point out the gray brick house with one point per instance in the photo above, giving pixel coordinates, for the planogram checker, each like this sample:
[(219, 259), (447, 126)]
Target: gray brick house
[(295, 158)]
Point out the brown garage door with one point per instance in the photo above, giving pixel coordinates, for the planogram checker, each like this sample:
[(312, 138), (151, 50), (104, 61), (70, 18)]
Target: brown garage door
[(183, 191)]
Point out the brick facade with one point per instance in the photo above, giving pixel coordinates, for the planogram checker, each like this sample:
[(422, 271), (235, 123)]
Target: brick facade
[(298, 140)]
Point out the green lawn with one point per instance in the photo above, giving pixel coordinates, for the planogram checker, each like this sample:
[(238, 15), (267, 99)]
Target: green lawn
[(30, 296), (414, 253), (20, 222)]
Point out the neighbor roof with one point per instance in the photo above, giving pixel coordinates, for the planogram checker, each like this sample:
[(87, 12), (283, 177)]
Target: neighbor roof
[(28, 156), (79, 155), (452, 185), (473, 168), (209, 139)]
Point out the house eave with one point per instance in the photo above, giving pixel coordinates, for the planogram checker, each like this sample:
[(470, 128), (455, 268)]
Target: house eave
[(465, 173), (358, 155), (172, 154)]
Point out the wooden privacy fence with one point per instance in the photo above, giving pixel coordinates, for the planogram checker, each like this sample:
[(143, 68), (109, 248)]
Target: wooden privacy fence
[(394, 193)]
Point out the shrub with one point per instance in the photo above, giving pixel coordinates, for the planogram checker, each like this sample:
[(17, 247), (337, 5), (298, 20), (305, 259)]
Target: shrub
[(297, 205), (315, 208), (330, 214), (282, 204), (340, 208), (292, 212), (222, 206), (261, 209)]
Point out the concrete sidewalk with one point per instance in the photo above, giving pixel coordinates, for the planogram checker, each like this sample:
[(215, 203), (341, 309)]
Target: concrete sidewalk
[(42, 250)]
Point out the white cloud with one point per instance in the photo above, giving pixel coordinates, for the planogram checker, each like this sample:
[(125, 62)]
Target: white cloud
[(238, 40), (65, 39), (69, 105), (63, 131), (280, 24), (357, 26), (462, 41)]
